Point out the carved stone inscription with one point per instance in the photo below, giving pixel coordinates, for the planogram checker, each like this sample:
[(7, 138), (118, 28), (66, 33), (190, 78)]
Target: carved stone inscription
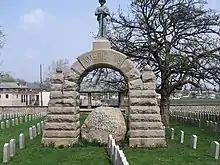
[(109, 57)]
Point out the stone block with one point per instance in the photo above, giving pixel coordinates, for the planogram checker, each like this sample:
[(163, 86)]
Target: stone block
[(55, 103), (70, 102), (21, 141), (70, 86), (12, 147), (181, 136), (172, 133), (149, 86), (63, 110), (145, 118), (147, 142), (133, 74), (101, 44), (71, 75), (126, 66), (143, 101), (71, 94), (193, 142), (77, 67), (144, 109), (57, 87), (61, 133), (59, 141), (6, 153), (104, 57), (2, 125), (57, 78), (62, 126), (31, 136), (63, 118), (146, 126), (148, 76), (143, 94), (135, 84), (215, 149), (56, 94), (146, 133)]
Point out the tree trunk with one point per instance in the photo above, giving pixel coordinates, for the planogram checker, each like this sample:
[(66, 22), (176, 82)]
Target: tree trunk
[(165, 107)]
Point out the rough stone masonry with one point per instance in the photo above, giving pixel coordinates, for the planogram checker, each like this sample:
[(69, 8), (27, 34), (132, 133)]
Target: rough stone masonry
[(63, 127)]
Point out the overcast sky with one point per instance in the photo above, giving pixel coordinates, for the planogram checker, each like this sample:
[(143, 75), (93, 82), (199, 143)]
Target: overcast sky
[(40, 31)]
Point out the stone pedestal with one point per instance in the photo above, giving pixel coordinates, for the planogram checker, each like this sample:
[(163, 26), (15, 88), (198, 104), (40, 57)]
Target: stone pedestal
[(101, 43)]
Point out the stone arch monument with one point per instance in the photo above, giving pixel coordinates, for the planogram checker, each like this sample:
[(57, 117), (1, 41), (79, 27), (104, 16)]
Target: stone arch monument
[(63, 126)]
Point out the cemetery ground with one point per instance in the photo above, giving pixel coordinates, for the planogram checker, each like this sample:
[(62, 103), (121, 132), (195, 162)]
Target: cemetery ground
[(92, 154)]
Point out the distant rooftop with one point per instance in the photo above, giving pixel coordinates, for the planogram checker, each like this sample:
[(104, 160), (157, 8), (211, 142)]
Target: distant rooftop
[(11, 85)]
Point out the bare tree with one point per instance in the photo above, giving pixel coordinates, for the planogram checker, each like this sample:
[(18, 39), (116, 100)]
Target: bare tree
[(107, 79), (2, 37), (178, 38), (62, 63)]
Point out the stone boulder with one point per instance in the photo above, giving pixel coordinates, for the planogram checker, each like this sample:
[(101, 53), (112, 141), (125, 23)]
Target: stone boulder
[(103, 121)]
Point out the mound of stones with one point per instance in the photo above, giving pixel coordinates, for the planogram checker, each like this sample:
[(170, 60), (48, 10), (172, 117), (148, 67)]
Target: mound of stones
[(103, 121)]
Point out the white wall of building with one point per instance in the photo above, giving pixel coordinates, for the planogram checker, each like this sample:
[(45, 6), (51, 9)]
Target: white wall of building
[(46, 98)]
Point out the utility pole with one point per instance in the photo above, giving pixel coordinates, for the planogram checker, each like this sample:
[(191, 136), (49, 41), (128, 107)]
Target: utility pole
[(41, 86)]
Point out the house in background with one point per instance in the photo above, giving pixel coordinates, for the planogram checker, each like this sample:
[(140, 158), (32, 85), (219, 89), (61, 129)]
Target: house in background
[(22, 94)]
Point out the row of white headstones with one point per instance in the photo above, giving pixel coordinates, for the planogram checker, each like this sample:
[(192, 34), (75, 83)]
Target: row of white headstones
[(214, 126), (116, 155), (4, 116), (16, 121), (9, 149), (193, 143), (203, 114)]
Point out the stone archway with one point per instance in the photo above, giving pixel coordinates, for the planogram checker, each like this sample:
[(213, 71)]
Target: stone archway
[(63, 127)]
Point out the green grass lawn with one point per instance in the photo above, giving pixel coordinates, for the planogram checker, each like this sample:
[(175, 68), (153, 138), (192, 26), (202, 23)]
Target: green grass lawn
[(87, 154), (176, 153), (13, 133), (34, 154)]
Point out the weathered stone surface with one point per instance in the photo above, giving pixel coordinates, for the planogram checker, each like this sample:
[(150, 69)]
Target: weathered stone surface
[(64, 110), (133, 74), (70, 86), (55, 102), (62, 126), (59, 141), (78, 68), (144, 109), (148, 76), (61, 133), (105, 57), (126, 66), (147, 142), (147, 68), (146, 133), (56, 95), (146, 126), (103, 121), (145, 117), (149, 86), (56, 87), (70, 102), (135, 84), (63, 118), (143, 101), (143, 93), (57, 78), (71, 94), (101, 44), (71, 75)]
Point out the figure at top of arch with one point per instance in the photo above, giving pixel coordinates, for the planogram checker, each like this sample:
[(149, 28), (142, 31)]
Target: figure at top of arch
[(102, 12)]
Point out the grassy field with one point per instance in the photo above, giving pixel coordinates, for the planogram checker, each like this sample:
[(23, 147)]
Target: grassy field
[(91, 154), (176, 153), (35, 154)]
